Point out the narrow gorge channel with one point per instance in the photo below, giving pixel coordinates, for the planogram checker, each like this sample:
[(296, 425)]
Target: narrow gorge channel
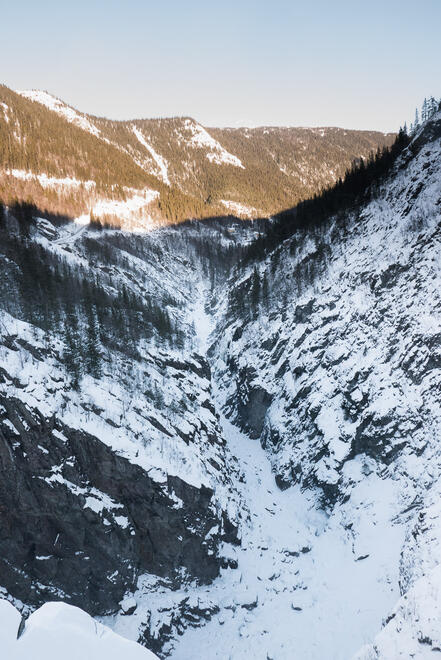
[(295, 579)]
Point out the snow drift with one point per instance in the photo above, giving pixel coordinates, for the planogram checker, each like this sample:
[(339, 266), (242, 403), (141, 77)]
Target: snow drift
[(57, 630)]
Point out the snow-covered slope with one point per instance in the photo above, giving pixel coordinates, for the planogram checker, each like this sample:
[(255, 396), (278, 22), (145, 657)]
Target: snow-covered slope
[(413, 627), (59, 631), (126, 475), (160, 162), (336, 372), (201, 139)]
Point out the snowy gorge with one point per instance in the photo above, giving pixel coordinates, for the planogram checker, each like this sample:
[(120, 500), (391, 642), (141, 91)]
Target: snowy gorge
[(255, 475)]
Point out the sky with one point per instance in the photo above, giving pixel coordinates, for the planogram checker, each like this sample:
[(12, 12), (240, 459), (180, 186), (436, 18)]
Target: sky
[(355, 64)]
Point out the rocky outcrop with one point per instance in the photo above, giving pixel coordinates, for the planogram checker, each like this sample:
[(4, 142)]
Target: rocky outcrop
[(80, 522), (249, 402), (190, 612)]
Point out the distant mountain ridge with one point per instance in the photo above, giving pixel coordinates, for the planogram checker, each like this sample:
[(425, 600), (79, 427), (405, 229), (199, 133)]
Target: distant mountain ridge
[(154, 171)]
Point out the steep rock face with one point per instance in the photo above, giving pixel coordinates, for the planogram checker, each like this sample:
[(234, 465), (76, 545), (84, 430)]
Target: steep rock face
[(421, 550), (80, 522), (342, 333), (252, 401), (341, 357)]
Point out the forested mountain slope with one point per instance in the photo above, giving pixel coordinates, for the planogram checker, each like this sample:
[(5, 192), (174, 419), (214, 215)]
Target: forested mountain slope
[(146, 172)]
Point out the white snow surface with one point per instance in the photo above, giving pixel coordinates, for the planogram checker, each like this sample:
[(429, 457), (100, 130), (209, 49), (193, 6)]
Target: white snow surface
[(414, 626), (47, 181), (300, 576), (133, 207), (57, 630), (134, 211), (6, 111)]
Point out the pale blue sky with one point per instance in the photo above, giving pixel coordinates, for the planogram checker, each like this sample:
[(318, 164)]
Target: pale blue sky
[(356, 64)]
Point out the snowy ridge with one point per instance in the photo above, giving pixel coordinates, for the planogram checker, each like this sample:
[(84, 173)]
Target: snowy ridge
[(61, 108), (290, 163)]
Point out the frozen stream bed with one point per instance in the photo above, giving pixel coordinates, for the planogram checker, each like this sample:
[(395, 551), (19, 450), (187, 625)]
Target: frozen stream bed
[(306, 586)]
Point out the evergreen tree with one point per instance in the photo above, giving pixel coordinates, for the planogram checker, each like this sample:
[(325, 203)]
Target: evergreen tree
[(93, 353), (424, 111), (416, 123), (255, 292), (433, 106), (158, 396), (265, 290), (72, 349)]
